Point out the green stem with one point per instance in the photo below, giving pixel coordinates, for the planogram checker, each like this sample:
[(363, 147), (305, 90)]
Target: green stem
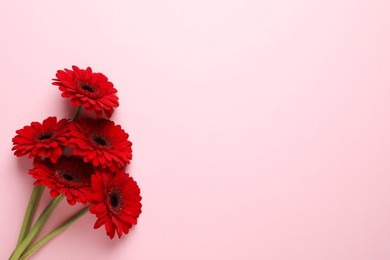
[(30, 212), (77, 113), (54, 233), (36, 228)]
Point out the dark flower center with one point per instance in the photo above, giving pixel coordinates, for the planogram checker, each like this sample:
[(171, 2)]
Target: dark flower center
[(88, 88), (67, 176), (100, 141), (45, 136), (114, 201)]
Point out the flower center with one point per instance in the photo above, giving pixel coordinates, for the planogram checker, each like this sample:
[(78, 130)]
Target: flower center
[(100, 141), (114, 201), (88, 88), (45, 136), (67, 176)]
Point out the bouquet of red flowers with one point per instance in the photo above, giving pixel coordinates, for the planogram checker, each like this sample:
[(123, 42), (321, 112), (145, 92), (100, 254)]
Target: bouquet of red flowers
[(82, 160)]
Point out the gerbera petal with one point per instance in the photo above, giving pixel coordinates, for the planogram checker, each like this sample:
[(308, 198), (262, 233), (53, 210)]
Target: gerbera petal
[(99, 222)]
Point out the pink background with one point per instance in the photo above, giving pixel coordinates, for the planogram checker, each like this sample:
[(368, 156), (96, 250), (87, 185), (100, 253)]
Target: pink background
[(261, 129)]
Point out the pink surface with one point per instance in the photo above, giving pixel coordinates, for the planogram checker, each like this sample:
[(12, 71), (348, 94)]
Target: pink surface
[(261, 129)]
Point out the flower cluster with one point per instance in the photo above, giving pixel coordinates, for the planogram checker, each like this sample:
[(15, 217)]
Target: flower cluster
[(93, 171)]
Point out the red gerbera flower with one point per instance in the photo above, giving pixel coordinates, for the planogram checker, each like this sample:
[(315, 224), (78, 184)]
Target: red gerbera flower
[(91, 89), (43, 140), (70, 176), (116, 202), (101, 142)]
